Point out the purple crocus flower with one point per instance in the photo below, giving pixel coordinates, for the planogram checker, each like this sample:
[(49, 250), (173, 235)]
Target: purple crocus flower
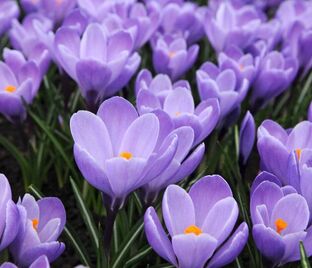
[(41, 262), (182, 20), (19, 82), (99, 63), (8, 11), (247, 136), (224, 85), (276, 72), (115, 149), (228, 25), (41, 224), (280, 221), (171, 56), (9, 214), (200, 224), (297, 28), (177, 101), (32, 38), (275, 146), (56, 10), (244, 65)]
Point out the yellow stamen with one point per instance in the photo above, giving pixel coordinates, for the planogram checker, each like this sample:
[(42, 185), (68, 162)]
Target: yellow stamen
[(126, 155), (10, 88), (280, 225), (193, 229), (298, 153), (35, 223), (171, 54)]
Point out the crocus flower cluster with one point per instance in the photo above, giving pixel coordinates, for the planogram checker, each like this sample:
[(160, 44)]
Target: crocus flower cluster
[(8, 11), (280, 219), (200, 225), (30, 228)]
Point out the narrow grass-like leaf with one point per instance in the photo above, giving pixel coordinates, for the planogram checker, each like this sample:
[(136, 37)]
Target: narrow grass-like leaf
[(126, 245), (86, 215), (304, 261), (138, 257)]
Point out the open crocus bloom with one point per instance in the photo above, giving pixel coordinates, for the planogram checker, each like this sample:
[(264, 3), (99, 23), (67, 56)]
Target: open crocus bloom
[(276, 144), (115, 149), (19, 81), (177, 101), (99, 63), (41, 262), (228, 25), (222, 84), (200, 224), (41, 224), (172, 56), (280, 219), (9, 214)]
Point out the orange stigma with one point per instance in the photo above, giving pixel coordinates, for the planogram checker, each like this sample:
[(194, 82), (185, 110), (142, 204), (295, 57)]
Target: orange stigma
[(177, 113), (171, 54), (241, 67), (35, 223), (126, 155), (298, 153), (280, 225), (193, 229), (10, 88)]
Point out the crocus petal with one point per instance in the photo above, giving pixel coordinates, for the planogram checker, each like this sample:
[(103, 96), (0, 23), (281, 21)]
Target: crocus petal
[(221, 219), (157, 237), (261, 177), (178, 210), (292, 249), (193, 251), (268, 194), (206, 193), (294, 210), (115, 110), (91, 134), (179, 101), (124, 175), (41, 262), (141, 143), (300, 136), (269, 242), (231, 248), (49, 208)]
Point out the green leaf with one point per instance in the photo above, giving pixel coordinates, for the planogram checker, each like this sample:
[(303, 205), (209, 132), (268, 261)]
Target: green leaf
[(86, 215), (55, 142), (126, 245), (70, 234), (18, 155), (138, 257), (304, 261)]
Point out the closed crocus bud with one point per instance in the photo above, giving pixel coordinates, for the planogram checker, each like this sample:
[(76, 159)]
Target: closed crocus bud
[(101, 64), (41, 224), (228, 25), (276, 72), (171, 56), (9, 214), (19, 82), (200, 225), (117, 150), (41, 262), (224, 85), (247, 137), (275, 145), (8, 11), (176, 100), (310, 112), (280, 220)]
